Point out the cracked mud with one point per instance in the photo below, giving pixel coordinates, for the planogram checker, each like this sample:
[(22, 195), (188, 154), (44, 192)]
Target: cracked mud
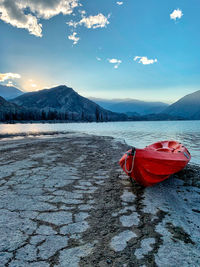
[(64, 201)]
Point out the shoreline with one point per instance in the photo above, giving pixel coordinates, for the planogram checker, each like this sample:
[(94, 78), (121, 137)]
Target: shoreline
[(64, 201), (71, 122), (54, 134), (32, 134)]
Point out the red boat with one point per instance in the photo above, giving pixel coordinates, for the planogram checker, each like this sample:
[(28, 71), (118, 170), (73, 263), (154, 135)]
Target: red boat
[(156, 162)]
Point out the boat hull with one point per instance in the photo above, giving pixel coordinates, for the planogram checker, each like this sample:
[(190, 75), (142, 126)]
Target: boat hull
[(155, 163)]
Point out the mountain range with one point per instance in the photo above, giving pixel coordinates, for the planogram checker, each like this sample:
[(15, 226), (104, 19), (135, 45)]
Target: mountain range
[(63, 103), (187, 107), (131, 106)]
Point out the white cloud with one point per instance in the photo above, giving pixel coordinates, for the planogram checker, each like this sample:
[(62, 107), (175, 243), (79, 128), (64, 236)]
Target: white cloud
[(176, 14), (72, 24), (119, 3), (98, 21), (8, 76), (145, 60), (115, 61), (47, 9), (74, 38), (26, 13), (98, 58)]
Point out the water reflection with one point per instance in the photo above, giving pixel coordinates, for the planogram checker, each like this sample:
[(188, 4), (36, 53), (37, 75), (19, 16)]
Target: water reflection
[(137, 134), (19, 128)]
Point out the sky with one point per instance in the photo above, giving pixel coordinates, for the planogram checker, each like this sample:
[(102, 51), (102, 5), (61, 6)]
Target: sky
[(140, 49)]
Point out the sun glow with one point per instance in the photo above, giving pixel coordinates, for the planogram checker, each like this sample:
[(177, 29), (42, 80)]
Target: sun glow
[(33, 84)]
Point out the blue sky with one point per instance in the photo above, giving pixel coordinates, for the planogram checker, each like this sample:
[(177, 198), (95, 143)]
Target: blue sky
[(133, 50)]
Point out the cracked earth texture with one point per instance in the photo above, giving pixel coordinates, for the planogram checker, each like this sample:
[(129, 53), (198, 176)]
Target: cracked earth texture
[(64, 201)]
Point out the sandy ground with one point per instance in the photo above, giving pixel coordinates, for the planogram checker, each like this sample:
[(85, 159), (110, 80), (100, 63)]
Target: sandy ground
[(64, 201)]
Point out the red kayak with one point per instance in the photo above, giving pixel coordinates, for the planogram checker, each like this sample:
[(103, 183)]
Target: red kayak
[(156, 162)]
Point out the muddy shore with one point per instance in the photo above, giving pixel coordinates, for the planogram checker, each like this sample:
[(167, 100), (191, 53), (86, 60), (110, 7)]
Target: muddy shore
[(64, 201)]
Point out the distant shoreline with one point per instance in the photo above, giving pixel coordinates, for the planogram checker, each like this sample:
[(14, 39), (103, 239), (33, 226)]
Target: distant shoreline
[(64, 121), (69, 122)]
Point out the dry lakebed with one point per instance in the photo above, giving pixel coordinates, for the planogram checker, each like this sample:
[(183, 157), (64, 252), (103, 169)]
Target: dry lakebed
[(65, 202)]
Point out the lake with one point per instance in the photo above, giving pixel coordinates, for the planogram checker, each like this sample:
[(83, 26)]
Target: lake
[(138, 134)]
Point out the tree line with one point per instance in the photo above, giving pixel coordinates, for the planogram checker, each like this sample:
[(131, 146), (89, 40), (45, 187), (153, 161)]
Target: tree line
[(51, 115)]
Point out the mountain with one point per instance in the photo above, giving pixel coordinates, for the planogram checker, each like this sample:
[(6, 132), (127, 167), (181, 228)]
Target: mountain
[(187, 107), (9, 92), (7, 109), (66, 102), (105, 103), (131, 106), (7, 106)]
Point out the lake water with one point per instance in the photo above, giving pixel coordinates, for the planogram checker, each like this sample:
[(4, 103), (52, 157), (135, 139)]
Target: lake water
[(138, 134)]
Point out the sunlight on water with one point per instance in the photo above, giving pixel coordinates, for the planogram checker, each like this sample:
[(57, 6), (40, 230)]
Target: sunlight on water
[(138, 134)]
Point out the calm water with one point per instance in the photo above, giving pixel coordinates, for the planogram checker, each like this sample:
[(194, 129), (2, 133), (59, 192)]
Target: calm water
[(138, 134)]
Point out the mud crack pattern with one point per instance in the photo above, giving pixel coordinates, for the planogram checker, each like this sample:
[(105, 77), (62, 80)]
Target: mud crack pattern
[(64, 201)]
